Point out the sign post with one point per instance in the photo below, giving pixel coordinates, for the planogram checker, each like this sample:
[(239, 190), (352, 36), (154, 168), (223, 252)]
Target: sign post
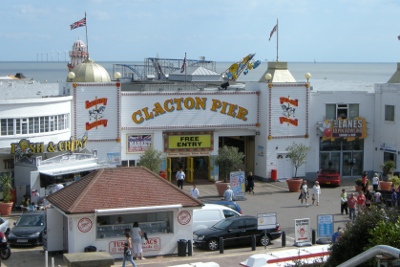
[(325, 228), (266, 221), (302, 232)]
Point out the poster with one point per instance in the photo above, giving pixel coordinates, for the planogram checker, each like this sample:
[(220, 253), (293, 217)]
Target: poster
[(325, 225), (237, 182), (302, 230), (138, 143)]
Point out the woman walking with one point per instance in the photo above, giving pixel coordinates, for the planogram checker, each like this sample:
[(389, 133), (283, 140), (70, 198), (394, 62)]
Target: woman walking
[(250, 183), (128, 250), (316, 192), (137, 241), (304, 193)]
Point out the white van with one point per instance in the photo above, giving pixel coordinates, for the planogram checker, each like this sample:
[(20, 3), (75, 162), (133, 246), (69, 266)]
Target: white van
[(210, 214)]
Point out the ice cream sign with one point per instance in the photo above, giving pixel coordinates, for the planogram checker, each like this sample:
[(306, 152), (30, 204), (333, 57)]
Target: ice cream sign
[(349, 129)]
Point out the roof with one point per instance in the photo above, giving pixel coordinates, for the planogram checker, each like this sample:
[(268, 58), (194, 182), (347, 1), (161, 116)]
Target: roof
[(279, 73), (122, 187), (89, 71), (194, 73)]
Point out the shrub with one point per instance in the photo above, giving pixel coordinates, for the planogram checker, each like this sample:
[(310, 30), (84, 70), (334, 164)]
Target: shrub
[(395, 181), (358, 182)]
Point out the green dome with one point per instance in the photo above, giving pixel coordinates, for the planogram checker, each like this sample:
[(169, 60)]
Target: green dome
[(88, 71)]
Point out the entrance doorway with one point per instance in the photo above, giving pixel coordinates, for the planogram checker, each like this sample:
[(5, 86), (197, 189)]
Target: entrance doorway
[(197, 169)]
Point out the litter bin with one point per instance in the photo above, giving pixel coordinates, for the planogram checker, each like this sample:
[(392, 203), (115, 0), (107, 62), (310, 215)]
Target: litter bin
[(274, 175), (90, 249), (182, 247)]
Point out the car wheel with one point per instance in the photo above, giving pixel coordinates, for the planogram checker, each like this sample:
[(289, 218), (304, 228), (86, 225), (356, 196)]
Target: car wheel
[(264, 240), (212, 244)]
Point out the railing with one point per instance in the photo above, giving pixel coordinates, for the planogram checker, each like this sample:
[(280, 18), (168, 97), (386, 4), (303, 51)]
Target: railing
[(372, 252)]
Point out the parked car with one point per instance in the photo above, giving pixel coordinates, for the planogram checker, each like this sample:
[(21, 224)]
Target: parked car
[(328, 177), (230, 204), (28, 229), (234, 230), (210, 214)]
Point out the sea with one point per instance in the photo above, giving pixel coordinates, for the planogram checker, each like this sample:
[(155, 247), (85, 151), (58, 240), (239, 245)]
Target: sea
[(324, 76)]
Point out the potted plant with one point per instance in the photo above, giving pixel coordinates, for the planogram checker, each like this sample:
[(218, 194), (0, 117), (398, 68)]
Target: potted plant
[(298, 155), (227, 160), (6, 183), (358, 183), (388, 167)]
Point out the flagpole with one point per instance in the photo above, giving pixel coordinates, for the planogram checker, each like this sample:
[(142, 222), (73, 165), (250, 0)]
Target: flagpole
[(185, 70), (277, 37), (87, 41)]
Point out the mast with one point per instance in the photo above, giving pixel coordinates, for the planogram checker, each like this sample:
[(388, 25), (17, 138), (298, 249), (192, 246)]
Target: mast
[(277, 37), (87, 42)]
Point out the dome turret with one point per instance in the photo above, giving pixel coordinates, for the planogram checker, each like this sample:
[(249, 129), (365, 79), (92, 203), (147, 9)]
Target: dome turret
[(88, 71)]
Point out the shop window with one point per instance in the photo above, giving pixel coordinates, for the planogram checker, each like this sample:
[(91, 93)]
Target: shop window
[(128, 163), (389, 113), (8, 164), (390, 156), (343, 111), (114, 226)]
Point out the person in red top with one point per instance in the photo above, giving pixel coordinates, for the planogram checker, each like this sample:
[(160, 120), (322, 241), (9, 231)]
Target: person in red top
[(364, 182), (361, 201), (351, 204)]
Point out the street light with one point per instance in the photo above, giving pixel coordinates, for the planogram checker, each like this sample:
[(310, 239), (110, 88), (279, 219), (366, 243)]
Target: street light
[(71, 75), (268, 76), (307, 76), (117, 75)]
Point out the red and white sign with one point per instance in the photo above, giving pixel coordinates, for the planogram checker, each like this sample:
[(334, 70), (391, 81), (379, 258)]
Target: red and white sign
[(152, 244), (85, 225), (184, 217)]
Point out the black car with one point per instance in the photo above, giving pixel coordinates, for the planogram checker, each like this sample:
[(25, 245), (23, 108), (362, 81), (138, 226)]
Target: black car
[(28, 229), (234, 230)]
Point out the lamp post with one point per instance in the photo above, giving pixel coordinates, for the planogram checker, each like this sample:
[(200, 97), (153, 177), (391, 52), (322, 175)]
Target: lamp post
[(307, 76), (71, 75), (117, 75), (268, 77)]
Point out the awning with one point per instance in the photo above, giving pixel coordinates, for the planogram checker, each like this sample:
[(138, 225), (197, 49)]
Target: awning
[(68, 169), (138, 209)]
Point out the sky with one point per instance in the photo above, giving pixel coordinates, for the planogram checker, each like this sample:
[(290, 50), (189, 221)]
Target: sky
[(219, 30)]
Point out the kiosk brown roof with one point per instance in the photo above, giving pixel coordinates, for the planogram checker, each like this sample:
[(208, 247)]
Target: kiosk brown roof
[(121, 187)]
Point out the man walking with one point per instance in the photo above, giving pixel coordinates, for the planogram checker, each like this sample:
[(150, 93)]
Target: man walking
[(228, 194), (180, 176)]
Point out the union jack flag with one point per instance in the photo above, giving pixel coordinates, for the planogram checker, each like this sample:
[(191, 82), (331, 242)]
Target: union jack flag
[(272, 32), (183, 64), (79, 23)]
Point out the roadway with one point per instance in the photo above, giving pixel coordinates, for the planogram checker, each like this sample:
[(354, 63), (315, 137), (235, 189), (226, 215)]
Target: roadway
[(268, 197)]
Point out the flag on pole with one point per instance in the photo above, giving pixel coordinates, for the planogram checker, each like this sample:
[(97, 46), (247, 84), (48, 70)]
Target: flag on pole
[(183, 64), (79, 23), (272, 32)]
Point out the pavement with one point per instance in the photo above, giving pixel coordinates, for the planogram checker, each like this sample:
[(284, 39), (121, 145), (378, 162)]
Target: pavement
[(273, 195)]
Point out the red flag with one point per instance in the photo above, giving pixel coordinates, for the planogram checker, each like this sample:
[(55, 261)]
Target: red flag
[(79, 23), (272, 32), (183, 64)]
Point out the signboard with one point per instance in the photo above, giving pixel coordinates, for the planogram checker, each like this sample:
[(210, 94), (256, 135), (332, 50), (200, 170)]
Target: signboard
[(266, 221), (325, 225), (138, 142), (237, 182), (302, 230), (189, 141), (348, 129)]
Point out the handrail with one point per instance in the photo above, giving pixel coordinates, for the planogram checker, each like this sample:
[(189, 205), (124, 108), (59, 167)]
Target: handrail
[(372, 252)]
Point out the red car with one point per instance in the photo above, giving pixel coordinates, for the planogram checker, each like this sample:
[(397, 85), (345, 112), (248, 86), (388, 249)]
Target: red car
[(329, 177)]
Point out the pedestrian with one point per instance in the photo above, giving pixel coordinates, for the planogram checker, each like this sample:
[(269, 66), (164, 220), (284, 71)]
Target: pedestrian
[(128, 250), (368, 199), (394, 197), (336, 235), (194, 192), (250, 182), (180, 176), (316, 192), (343, 202), (360, 201), (364, 182), (304, 193), (375, 182), (352, 203), (378, 198), (137, 235), (228, 194)]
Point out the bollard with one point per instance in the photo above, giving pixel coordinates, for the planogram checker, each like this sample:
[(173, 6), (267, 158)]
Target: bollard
[(313, 236), (221, 245), (190, 248), (283, 238), (253, 242)]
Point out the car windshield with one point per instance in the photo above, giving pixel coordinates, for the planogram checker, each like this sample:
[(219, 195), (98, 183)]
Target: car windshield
[(30, 220), (222, 224)]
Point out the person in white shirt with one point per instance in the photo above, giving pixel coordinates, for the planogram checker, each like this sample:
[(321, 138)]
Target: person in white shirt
[(194, 192), (375, 182), (228, 194), (316, 192), (180, 176)]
